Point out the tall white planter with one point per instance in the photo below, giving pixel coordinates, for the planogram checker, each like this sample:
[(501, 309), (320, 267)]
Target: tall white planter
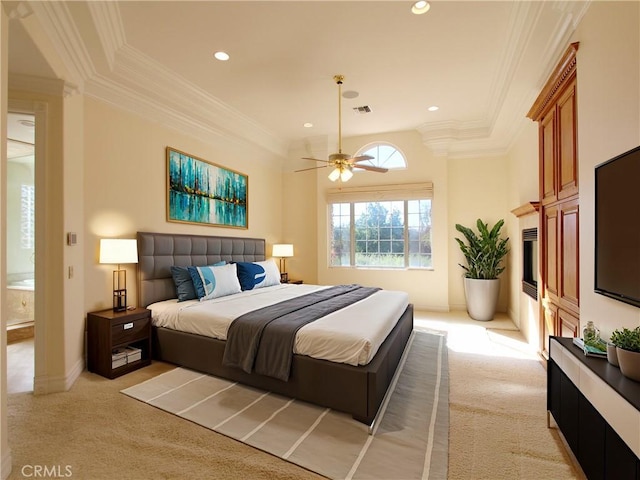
[(482, 297)]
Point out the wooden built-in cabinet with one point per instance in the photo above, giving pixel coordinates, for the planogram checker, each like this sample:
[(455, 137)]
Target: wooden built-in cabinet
[(555, 110)]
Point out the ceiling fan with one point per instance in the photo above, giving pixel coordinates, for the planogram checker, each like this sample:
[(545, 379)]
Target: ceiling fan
[(343, 163)]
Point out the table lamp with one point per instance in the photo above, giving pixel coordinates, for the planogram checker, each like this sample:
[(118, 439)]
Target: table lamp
[(283, 250), (119, 251)]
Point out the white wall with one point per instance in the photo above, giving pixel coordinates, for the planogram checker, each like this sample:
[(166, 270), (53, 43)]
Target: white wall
[(608, 95)]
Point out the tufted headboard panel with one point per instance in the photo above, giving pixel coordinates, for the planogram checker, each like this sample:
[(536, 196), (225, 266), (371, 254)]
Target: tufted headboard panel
[(157, 252)]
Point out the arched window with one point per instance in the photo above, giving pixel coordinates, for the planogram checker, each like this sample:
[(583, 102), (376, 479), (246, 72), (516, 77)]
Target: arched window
[(384, 155)]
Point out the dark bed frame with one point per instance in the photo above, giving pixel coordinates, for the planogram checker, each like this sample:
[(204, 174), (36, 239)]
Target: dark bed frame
[(358, 391)]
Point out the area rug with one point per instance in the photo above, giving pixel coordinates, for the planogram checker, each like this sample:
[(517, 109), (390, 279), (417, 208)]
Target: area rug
[(410, 439)]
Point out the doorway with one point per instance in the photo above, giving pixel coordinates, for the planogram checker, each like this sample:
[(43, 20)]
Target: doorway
[(20, 244)]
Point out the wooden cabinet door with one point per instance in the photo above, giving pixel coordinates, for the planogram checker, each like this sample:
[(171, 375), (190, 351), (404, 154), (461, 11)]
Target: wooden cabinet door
[(547, 132), (567, 163), (550, 252), (569, 264), (568, 325), (548, 325)]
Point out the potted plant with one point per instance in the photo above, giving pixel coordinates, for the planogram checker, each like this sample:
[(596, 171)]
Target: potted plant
[(484, 253), (627, 344)]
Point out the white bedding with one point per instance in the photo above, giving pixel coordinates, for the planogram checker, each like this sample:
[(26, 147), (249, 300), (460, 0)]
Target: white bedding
[(351, 335)]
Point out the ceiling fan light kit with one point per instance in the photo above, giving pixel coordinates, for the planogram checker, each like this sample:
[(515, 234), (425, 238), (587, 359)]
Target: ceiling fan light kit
[(343, 163)]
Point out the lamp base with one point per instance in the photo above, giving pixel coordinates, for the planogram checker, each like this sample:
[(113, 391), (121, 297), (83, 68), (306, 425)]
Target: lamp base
[(120, 300)]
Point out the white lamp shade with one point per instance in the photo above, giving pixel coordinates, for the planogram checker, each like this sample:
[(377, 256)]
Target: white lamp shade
[(335, 174), (346, 174), (118, 250), (282, 250)]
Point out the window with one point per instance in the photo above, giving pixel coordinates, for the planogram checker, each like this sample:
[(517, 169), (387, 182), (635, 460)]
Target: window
[(387, 231), (27, 216), (384, 155)]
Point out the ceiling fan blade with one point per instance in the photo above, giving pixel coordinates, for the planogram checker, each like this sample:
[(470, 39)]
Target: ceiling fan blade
[(312, 168), (361, 158), (372, 169), (315, 159)]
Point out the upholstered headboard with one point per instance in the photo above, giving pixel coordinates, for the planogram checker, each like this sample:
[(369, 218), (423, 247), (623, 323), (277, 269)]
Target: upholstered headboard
[(157, 252)]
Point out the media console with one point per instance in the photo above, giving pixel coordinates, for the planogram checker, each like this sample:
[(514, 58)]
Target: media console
[(597, 410)]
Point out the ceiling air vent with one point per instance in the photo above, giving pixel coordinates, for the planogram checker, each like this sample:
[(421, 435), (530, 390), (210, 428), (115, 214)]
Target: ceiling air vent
[(363, 109)]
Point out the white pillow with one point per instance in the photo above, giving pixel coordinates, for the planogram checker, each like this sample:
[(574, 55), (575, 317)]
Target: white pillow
[(219, 281), (254, 275)]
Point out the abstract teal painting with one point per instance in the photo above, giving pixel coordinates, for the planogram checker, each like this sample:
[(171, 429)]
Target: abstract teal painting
[(202, 192)]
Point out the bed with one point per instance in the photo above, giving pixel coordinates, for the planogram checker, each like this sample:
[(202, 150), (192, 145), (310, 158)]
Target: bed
[(358, 390)]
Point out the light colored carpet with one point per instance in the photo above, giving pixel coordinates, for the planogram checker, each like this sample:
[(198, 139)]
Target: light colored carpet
[(497, 403), (409, 441), (497, 421)]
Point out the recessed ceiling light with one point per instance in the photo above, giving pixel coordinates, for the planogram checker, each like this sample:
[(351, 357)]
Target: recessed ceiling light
[(433, 108), (308, 125), (420, 7), (350, 94), (222, 56)]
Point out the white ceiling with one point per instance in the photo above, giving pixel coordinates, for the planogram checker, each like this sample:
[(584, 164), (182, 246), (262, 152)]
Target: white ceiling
[(482, 62)]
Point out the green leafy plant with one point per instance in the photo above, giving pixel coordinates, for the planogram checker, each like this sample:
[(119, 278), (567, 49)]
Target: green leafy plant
[(484, 252), (627, 339)]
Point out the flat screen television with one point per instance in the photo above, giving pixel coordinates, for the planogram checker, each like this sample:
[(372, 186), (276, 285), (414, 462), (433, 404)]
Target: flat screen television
[(617, 242)]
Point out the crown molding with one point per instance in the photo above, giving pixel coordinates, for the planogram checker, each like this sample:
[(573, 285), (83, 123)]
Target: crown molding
[(135, 82), (46, 86), (57, 22), (495, 135), (521, 25), (106, 17)]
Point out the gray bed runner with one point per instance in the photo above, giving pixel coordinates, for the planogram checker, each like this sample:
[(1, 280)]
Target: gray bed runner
[(263, 339)]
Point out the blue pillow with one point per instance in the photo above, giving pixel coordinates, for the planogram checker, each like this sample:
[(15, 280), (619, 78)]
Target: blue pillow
[(214, 281), (258, 274), (184, 283)]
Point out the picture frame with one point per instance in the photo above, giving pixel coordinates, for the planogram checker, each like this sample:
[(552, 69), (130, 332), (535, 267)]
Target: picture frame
[(205, 193)]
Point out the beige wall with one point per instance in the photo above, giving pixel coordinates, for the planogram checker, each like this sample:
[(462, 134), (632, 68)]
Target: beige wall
[(427, 289), (125, 188), (72, 271), (464, 189), (523, 188), (477, 189), (608, 93)]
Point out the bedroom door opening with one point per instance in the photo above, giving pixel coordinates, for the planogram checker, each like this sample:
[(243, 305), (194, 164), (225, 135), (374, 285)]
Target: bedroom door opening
[(20, 251)]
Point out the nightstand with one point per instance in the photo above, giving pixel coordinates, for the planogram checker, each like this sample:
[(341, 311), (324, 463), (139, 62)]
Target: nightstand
[(118, 342), (296, 282)]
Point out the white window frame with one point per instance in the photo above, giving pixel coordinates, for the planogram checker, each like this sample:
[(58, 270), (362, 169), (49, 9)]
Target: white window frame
[(376, 161), (375, 193)]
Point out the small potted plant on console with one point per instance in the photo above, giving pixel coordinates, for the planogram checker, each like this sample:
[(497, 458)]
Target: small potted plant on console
[(627, 344)]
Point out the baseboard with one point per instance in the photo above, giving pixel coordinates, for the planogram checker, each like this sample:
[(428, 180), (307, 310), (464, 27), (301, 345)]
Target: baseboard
[(74, 374), (458, 307), (5, 464), (432, 308), (45, 384)]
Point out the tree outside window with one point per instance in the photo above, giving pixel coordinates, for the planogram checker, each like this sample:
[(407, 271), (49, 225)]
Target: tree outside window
[(384, 234)]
